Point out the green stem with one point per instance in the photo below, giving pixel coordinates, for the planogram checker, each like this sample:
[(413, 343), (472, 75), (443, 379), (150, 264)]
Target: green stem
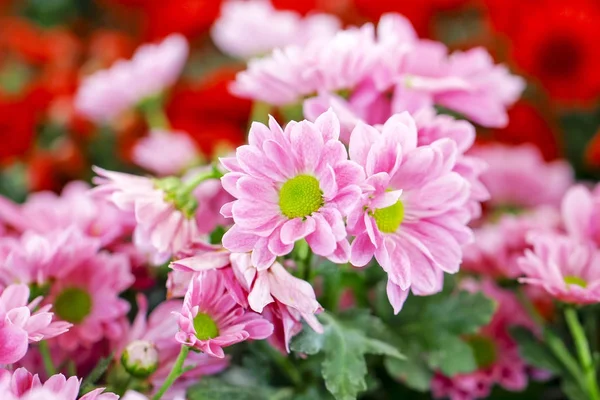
[(259, 113), (191, 185), (285, 365), (47, 358), (154, 113), (583, 352), (175, 373)]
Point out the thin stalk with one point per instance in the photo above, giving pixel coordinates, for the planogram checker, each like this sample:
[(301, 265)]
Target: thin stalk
[(154, 114), (175, 373), (583, 352), (198, 179), (47, 358)]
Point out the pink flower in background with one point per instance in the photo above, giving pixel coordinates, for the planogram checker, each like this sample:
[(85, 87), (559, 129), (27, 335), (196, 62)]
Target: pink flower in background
[(413, 215), (494, 350), (165, 153), (288, 74), (210, 318), (21, 384), (153, 68), (46, 212), (499, 244), (291, 184), (567, 269), (241, 31), (581, 213), (518, 176), (165, 220), (158, 330), (20, 325)]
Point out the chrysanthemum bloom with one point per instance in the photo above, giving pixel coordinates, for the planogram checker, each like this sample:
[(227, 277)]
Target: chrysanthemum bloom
[(176, 149), (413, 215), (154, 67), (21, 384), (291, 184), (498, 244), (20, 325), (157, 332), (518, 177), (567, 269), (495, 352), (210, 318), (47, 212), (580, 211), (558, 48), (241, 20), (163, 208)]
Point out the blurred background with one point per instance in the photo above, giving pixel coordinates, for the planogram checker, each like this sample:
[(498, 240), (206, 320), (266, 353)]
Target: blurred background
[(47, 46)]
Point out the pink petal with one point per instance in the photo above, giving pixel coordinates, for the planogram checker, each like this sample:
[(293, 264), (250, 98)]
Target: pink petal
[(296, 229)]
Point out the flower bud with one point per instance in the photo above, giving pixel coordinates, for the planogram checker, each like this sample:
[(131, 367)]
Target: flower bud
[(140, 358)]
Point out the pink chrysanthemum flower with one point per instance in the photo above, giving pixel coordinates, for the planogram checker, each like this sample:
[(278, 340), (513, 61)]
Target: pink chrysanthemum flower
[(290, 73), (20, 325), (210, 318), (518, 177), (47, 212), (154, 67), (580, 211), (494, 349), (22, 385), (164, 214), (499, 244), (291, 184), (413, 213), (165, 153), (241, 31), (567, 269), (157, 332)]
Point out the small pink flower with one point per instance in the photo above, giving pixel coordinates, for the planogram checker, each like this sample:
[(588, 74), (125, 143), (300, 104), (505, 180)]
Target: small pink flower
[(165, 153), (20, 325), (413, 215), (567, 269), (581, 213), (210, 318), (22, 385), (241, 30), (46, 212), (499, 244), (153, 68), (518, 176), (291, 184), (165, 220)]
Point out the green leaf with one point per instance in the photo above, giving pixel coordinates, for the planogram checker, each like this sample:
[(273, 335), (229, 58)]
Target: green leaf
[(210, 388), (452, 356), (535, 352), (413, 372), (345, 341), (99, 370)]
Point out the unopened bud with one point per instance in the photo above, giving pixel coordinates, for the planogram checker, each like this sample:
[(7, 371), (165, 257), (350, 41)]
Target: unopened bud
[(140, 358)]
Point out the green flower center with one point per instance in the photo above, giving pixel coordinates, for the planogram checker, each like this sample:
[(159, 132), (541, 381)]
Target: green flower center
[(575, 280), (300, 196), (73, 305), (206, 327), (484, 350), (389, 219)]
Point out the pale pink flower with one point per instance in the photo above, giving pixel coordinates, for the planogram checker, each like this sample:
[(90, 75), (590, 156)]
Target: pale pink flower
[(292, 72), (499, 244), (46, 212), (153, 68), (518, 176), (494, 349), (159, 329), (253, 28), (580, 210), (413, 215), (291, 184), (22, 385), (21, 323), (165, 218), (165, 152), (211, 319), (567, 269)]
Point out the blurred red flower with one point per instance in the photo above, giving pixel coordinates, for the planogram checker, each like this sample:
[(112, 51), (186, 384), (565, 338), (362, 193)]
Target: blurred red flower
[(558, 46), (188, 17), (17, 126)]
